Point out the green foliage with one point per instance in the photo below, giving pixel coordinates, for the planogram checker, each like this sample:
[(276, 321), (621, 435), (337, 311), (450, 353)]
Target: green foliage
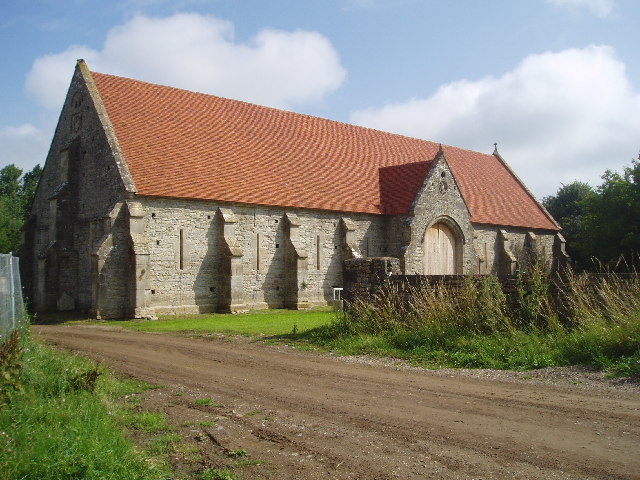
[(149, 422), (10, 367), (532, 297), (612, 217), (59, 426), (240, 452), (16, 195), (594, 321), (567, 206), (601, 225), (10, 181), (218, 474), (11, 222)]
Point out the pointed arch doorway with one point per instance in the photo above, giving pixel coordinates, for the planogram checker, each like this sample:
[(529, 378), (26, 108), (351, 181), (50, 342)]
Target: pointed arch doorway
[(441, 250)]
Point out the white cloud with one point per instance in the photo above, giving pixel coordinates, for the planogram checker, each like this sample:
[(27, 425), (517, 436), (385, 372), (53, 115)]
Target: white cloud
[(600, 8), (557, 117), (198, 52), (23, 145)]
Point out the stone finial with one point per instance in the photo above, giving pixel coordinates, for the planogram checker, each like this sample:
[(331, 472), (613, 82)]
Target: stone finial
[(440, 150), (495, 147)]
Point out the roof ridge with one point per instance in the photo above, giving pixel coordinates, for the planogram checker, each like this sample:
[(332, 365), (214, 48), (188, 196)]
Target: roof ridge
[(181, 143), (290, 112)]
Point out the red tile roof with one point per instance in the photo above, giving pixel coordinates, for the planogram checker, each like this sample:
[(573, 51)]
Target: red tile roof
[(183, 144), (399, 185)]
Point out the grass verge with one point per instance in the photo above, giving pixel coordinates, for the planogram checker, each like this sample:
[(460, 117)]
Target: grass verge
[(65, 421), (257, 323), (594, 322)]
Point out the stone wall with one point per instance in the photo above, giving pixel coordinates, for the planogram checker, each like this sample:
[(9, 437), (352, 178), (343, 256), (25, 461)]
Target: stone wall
[(503, 250), (282, 257), (439, 200), (72, 211), (366, 275)]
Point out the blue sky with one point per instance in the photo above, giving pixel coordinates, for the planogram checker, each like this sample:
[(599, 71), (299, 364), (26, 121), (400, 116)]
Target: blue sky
[(556, 83)]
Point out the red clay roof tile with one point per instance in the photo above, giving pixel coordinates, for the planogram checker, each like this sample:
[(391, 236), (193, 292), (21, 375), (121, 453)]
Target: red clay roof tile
[(184, 144)]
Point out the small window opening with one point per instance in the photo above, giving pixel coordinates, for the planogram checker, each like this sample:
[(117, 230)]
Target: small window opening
[(153, 215), (443, 174), (277, 245), (181, 249), (157, 242), (153, 292), (257, 251)]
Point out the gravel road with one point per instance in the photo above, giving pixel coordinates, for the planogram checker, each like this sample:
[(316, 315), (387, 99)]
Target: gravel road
[(304, 415)]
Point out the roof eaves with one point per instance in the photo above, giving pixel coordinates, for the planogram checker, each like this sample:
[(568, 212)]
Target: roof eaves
[(376, 210)]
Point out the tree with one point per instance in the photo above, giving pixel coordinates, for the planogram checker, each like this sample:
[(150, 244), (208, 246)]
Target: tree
[(567, 206), (612, 220), (28, 188), (16, 194), (10, 181)]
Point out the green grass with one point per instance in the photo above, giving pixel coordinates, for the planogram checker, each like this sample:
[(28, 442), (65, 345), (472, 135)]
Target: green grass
[(64, 424), (218, 474), (255, 323), (596, 323)]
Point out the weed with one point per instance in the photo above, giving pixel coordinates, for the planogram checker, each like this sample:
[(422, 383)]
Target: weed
[(206, 423), (251, 413), (218, 474), (240, 452), (10, 367), (203, 401), (150, 422), (86, 380), (163, 444)]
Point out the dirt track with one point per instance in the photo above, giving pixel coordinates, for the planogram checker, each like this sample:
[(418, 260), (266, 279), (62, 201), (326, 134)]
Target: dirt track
[(311, 416)]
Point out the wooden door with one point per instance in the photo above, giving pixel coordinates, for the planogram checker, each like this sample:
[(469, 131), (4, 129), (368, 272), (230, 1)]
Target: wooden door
[(439, 250)]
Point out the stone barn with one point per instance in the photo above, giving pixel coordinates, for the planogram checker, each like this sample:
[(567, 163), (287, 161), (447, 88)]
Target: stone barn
[(157, 200)]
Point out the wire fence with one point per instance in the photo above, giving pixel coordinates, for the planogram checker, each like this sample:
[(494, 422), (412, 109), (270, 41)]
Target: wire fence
[(12, 314)]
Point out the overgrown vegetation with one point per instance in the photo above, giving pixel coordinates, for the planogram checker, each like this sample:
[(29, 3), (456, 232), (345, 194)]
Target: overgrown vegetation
[(59, 418), (585, 319)]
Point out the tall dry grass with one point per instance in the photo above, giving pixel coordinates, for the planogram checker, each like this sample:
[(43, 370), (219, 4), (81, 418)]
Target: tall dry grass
[(543, 320)]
